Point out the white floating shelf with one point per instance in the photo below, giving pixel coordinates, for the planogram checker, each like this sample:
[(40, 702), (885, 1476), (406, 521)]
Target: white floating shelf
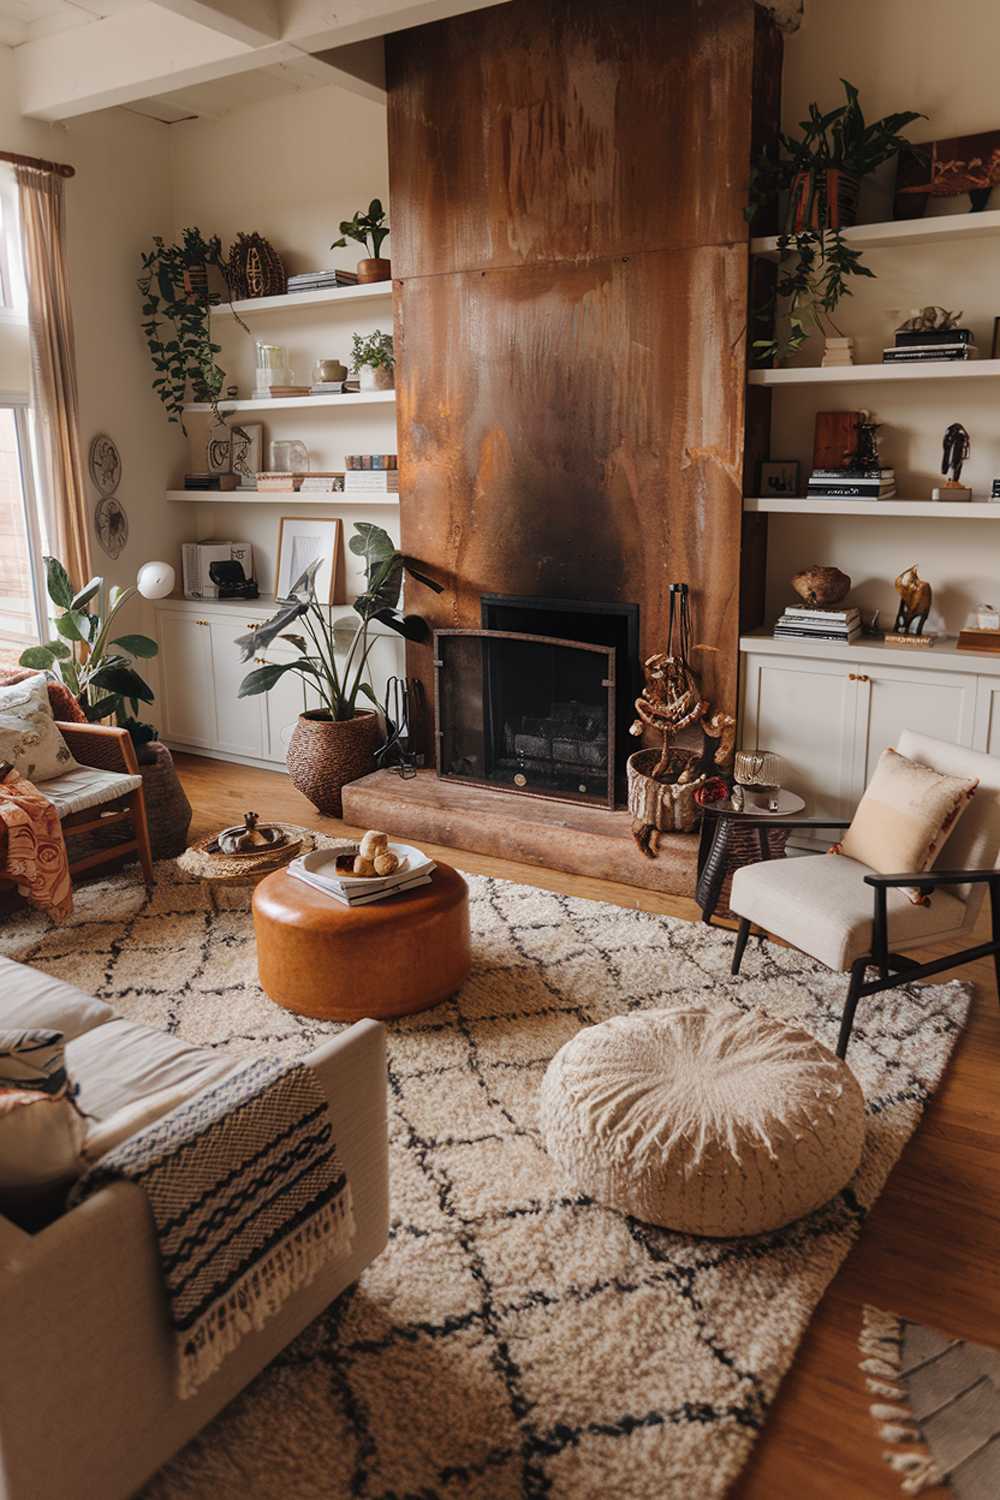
[(930, 510), (964, 369), (301, 403), (291, 301), (336, 499), (942, 656), (887, 236)]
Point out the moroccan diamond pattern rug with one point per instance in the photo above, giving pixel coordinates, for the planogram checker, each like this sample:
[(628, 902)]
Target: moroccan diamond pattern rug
[(515, 1339)]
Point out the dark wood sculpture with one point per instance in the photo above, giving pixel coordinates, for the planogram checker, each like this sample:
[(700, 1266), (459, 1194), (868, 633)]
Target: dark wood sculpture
[(255, 268)]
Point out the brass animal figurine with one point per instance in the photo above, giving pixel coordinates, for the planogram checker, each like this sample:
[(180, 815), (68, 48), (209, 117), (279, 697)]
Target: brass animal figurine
[(915, 596)]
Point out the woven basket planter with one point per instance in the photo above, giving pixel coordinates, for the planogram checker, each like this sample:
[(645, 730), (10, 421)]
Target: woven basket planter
[(325, 754), (668, 805), (168, 811)]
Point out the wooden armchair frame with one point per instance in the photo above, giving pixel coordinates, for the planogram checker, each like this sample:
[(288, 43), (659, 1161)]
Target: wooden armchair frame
[(892, 968)]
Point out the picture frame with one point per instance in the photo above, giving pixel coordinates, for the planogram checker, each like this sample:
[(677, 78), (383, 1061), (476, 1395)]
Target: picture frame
[(779, 479), (301, 539), (995, 348), (247, 447)]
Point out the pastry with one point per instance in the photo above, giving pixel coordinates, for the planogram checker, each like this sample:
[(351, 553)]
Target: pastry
[(386, 863), (373, 843)]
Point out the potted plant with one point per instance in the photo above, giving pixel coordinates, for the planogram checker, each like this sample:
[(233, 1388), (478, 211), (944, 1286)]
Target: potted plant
[(368, 229), (335, 743), (373, 361), (821, 172), (175, 306)]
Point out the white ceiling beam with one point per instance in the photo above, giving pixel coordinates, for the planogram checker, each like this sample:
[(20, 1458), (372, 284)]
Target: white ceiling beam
[(256, 23), (358, 68), (315, 25)]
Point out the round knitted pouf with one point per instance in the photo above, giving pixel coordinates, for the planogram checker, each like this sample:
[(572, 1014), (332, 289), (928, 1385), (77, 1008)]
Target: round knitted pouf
[(704, 1121)]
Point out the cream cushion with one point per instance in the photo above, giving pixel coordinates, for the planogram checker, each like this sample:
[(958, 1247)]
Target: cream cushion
[(29, 738), (820, 904), (703, 1120), (30, 998), (904, 818), (87, 786)]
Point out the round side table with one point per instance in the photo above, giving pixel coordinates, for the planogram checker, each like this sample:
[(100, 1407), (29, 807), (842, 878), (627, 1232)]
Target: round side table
[(342, 963), (726, 846)]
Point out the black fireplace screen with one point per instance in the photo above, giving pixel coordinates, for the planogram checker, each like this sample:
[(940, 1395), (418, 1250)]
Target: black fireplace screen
[(526, 713)]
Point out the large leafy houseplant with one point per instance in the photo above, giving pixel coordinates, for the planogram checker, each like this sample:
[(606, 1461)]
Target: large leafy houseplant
[(98, 668), (322, 639), (368, 229), (820, 170), (176, 301)]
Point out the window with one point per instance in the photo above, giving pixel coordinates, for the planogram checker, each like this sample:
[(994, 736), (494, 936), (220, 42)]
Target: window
[(22, 621)]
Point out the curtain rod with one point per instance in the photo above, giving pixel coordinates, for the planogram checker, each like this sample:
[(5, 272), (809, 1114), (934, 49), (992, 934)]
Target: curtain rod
[(59, 168)]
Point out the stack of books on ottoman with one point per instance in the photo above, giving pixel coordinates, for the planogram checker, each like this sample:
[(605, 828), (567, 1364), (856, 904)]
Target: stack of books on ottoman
[(799, 622), (930, 343), (851, 484), (348, 874)]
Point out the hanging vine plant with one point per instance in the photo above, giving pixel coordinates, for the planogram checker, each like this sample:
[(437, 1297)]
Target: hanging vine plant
[(175, 308)]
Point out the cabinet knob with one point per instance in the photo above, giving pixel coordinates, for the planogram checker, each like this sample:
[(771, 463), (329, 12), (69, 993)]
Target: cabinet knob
[(857, 677), (252, 626), (201, 622)]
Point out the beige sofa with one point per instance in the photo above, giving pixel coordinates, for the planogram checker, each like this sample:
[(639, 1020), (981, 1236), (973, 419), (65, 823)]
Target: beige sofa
[(88, 1406)]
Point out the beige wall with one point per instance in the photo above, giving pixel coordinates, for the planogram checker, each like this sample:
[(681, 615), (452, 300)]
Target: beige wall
[(937, 58)]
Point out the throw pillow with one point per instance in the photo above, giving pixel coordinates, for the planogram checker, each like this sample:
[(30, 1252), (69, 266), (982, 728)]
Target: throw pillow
[(904, 818), (41, 1129), (65, 708), (28, 734)]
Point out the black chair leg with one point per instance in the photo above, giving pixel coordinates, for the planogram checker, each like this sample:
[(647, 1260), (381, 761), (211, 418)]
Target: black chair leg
[(851, 1004), (995, 926), (741, 942)]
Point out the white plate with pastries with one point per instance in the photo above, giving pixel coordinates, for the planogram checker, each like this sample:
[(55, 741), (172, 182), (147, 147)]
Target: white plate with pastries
[(340, 862)]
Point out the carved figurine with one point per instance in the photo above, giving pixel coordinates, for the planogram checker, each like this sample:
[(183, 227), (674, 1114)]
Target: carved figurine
[(954, 452), (915, 596), (866, 454)]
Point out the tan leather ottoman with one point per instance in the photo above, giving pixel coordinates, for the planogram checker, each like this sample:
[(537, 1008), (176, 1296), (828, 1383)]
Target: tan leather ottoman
[(342, 963)]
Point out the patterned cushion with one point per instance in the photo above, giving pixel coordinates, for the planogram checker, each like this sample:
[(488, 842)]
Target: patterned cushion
[(703, 1121), (41, 1130), (904, 818), (28, 734), (65, 707)]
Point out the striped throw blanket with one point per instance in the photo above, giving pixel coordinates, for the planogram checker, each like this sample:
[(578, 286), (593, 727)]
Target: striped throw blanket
[(248, 1199)]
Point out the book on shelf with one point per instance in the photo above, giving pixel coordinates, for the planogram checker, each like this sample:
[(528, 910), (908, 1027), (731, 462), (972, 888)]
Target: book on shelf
[(365, 461), (327, 388), (915, 354), (282, 392), (212, 481), (821, 616), (307, 281), (920, 339), (275, 479), (386, 483), (852, 475), (317, 486), (850, 489), (975, 638), (789, 632)]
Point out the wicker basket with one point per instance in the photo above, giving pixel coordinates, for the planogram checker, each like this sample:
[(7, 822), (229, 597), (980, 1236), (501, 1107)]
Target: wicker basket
[(168, 811), (325, 754), (668, 806)]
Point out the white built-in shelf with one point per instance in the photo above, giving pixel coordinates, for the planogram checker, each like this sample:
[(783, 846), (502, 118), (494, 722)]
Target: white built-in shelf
[(931, 510), (335, 498), (301, 403), (941, 657), (933, 369), (941, 230), (291, 301)]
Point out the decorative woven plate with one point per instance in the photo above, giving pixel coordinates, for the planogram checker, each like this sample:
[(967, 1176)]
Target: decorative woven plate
[(226, 868)]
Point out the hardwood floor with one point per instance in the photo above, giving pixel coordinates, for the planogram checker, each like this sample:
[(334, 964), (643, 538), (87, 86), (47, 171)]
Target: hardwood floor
[(930, 1250)]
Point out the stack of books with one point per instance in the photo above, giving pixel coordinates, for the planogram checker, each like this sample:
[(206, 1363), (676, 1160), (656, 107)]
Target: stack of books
[(320, 484), (799, 622), (371, 461), (934, 343), (371, 482), (852, 484), (976, 638), (838, 351), (318, 869), (275, 480), (327, 388), (210, 481), (320, 281), (280, 391)]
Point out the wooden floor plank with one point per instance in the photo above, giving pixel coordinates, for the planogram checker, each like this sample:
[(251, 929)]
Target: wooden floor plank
[(930, 1249)]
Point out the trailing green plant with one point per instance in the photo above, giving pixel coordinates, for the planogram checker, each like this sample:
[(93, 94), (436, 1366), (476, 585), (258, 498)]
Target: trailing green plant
[(815, 264), (322, 640), (176, 300), (97, 668), (368, 229), (374, 349)]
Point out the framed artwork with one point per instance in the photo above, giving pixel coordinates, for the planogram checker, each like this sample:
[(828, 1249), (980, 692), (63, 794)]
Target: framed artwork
[(301, 540), (219, 450), (105, 464), (779, 479), (995, 350), (248, 442)]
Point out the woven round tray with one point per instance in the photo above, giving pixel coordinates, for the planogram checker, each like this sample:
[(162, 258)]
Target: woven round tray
[(243, 869)]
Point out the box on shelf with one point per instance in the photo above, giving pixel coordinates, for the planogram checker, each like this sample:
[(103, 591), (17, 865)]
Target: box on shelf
[(197, 558)]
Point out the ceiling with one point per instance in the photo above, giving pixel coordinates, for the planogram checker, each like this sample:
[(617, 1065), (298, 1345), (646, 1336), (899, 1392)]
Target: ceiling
[(25, 20)]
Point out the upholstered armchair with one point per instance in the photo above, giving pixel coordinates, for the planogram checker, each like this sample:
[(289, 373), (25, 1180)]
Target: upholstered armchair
[(101, 791), (854, 920)]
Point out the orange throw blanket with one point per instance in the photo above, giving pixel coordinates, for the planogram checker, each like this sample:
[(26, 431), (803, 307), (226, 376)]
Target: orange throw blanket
[(36, 858)]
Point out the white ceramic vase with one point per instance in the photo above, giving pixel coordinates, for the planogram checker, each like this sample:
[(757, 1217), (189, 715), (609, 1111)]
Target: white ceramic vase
[(376, 378)]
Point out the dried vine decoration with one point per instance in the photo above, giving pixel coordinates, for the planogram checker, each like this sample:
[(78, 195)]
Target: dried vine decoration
[(255, 268)]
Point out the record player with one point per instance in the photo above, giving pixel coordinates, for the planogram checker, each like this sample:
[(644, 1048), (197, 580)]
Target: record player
[(231, 581)]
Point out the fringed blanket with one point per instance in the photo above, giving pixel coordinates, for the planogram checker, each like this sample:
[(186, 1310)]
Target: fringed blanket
[(35, 855), (248, 1199)]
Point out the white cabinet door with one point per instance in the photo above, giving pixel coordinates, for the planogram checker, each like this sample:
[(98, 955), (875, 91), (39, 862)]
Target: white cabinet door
[(283, 704), (804, 708), (987, 735), (893, 698), (187, 687), (240, 720)]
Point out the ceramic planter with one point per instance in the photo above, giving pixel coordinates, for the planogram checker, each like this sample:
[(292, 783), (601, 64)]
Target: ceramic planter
[(374, 270), (376, 377), (325, 754)]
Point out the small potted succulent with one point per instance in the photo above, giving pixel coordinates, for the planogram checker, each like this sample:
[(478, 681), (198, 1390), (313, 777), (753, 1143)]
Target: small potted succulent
[(373, 361), (368, 229)]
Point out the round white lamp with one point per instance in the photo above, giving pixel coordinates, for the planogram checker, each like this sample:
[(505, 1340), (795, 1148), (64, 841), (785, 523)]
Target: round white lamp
[(155, 580)]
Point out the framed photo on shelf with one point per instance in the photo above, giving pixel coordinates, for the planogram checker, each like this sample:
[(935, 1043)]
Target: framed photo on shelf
[(301, 540), (779, 479)]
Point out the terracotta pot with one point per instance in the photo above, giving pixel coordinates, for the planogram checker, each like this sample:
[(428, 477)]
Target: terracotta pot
[(374, 270), (376, 378), (325, 754), (823, 200)]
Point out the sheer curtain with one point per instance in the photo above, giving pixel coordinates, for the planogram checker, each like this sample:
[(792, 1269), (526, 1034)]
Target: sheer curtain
[(53, 371)]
